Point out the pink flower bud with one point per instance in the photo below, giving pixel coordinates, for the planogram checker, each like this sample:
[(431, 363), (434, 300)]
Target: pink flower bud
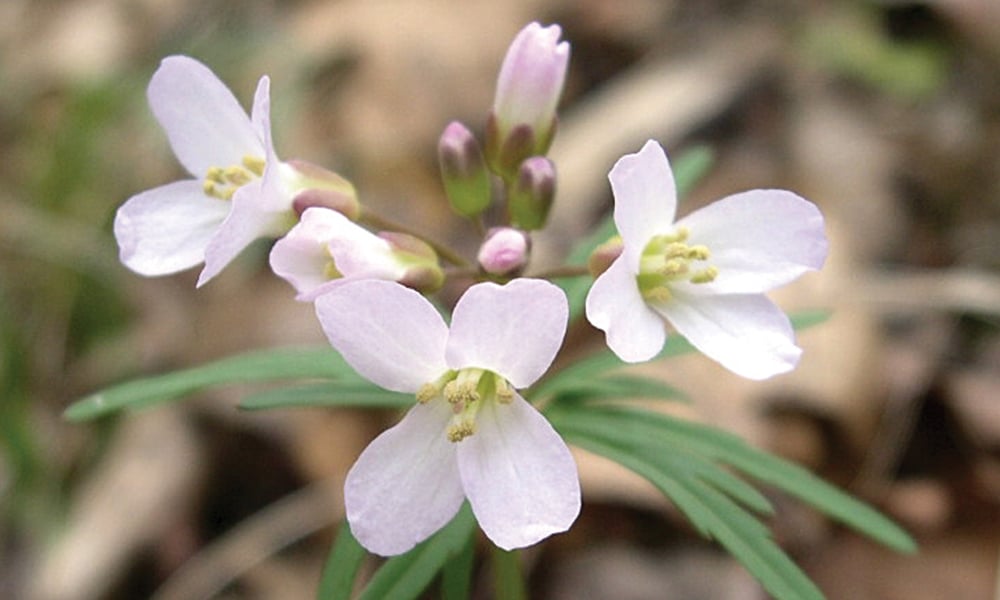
[(504, 252), (532, 193), (315, 186), (530, 84), (463, 170)]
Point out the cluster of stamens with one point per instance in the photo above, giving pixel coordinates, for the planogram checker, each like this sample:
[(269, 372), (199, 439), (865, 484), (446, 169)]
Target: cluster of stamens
[(668, 259), (466, 390), (222, 182)]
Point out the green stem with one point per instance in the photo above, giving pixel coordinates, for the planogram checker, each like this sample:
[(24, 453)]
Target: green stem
[(377, 221), (508, 579), (563, 271)]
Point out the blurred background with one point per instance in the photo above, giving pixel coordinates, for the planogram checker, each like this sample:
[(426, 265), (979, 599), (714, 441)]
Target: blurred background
[(885, 113)]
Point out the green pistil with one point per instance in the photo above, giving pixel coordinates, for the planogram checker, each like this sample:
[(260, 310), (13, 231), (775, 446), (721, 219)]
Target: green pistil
[(222, 183), (668, 259)]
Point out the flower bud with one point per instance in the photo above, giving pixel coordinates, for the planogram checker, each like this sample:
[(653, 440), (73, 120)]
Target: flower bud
[(522, 122), (505, 251), (603, 255), (419, 261), (463, 170), (315, 186), (531, 196)]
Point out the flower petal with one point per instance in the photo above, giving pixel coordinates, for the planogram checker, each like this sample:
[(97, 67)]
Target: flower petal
[(251, 218), (759, 240), (203, 121), (405, 485), (746, 333), (634, 332), (166, 229), (274, 195), (519, 475), (390, 334), (645, 198), (301, 257), (514, 330)]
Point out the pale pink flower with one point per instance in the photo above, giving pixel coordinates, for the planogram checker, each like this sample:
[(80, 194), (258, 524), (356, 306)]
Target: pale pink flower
[(237, 192), (470, 434), (326, 249), (707, 273)]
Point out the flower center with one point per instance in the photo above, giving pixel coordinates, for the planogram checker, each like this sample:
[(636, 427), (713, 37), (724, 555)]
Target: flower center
[(466, 390), (222, 182), (668, 259)]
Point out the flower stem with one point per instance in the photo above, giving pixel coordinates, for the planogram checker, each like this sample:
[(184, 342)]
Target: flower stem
[(563, 271), (508, 579), (379, 222)]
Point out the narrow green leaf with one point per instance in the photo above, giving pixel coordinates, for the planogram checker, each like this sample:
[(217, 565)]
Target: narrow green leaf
[(456, 576), (341, 568), (670, 434), (328, 394), (406, 576), (718, 517), (263, 365), (620, 387)]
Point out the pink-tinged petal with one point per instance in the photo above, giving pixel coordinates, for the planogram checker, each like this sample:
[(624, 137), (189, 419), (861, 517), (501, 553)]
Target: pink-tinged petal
[(519, 475), (531, 77), (203, 121), (405, 485), (301, 257), (645, 198), (514, 330), (747, 334), (166, 229), (614, 305), (325, 238), (250, 219), (274, 195), (759, 240), (390, 334)]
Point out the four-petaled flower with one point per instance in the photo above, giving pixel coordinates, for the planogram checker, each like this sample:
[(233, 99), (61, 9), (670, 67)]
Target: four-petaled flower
[(706, 273), (236, 194), (470, 434)]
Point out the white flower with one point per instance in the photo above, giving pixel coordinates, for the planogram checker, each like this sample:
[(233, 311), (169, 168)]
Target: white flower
[(236, 193), (470, 435), (706, 273)]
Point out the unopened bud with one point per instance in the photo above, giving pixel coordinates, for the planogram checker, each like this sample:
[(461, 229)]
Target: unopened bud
[(505, 251), (316, 186), (531, 196), (463, 170), (605, 254), (422, 271), (522, 122)]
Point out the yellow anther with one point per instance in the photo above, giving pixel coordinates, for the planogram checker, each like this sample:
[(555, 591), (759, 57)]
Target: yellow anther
[(460, 430), (208, 187), (215, 174), (238, 175), (427, 392), (698, 253), (706, 275), (657, 294), (254, 164), (504, 392), (675, 267)]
